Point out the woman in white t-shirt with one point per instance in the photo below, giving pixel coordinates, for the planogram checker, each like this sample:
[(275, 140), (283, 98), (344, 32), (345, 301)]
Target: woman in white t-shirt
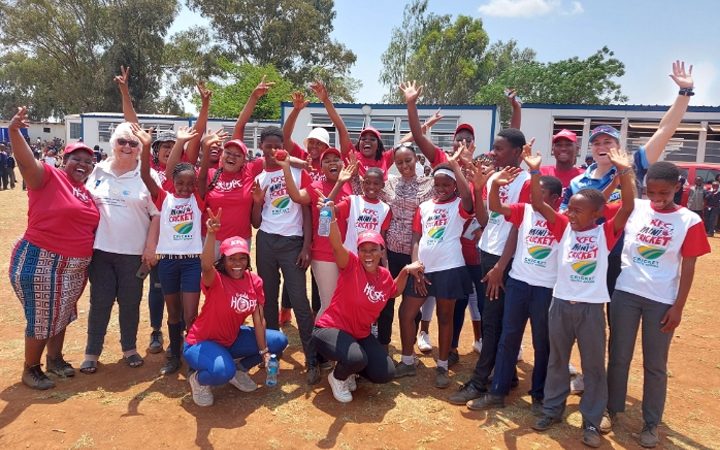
[(124, 247)]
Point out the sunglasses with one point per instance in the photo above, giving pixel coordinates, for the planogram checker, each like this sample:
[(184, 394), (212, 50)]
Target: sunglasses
[(123, 142)]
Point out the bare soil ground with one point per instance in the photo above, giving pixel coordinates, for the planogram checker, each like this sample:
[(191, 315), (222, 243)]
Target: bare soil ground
[(120, 407)]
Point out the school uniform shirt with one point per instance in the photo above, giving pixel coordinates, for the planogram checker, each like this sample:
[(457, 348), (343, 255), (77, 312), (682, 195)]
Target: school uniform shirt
[(497, 229), (358, 299), (62, 216), (440, 226), (228, 302), (281, 215), (362, 214), (125, 206), (583, 261), (535, 261), (180, 220), (321, 250), (655, 244), (232, 193)]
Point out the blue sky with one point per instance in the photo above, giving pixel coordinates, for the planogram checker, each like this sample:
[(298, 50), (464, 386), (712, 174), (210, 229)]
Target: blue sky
[(646, 35)]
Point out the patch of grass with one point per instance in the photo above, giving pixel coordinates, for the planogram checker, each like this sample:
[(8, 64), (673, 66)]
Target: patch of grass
[(85, 441)]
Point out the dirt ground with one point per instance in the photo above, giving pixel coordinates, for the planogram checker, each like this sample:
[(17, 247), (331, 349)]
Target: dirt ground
[(120, 407)]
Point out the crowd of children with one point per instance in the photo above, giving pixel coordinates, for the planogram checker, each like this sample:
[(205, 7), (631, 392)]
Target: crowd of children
[(552, 245)]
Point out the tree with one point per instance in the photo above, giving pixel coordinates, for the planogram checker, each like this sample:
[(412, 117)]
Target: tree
[(291, 35)]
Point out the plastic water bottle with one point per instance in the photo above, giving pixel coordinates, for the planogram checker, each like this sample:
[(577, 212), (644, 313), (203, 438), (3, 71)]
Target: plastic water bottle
[(324, 221), (273, 367)]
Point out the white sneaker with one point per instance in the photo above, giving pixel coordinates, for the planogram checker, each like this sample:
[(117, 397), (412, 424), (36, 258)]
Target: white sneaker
[(202, 395), (520, 353), (243, 382), (573, 371), (352, 382), (477, 345), (577, 384), (423, 342), (339, 388)]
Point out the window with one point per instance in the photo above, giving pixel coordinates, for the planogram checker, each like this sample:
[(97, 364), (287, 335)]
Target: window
[(105, 130), (712, 144), (682, 147), (353, 122), (46, 129), (320, 120), (383, 124), (573, 124), (75, 130)]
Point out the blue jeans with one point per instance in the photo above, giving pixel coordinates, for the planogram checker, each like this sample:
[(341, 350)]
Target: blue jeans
[(523, 302), (156, 302), (215, 363)]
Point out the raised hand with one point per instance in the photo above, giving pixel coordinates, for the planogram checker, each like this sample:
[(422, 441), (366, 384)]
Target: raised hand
[(348, 172), (122, 79), (262, 88), (20, 119), (482, 173), (466, 155), (507, 175), (533, 162), (323, 201), (213, 221), (512, 96), (186, 133), (298, 100), (432, 120), (411, 90), (318, 87), (258, 193), (144, 136), (683, 79), (619, 158), (214, 137), (204, 92)]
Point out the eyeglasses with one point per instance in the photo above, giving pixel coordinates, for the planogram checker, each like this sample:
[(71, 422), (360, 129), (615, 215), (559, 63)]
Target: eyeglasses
[(123, 142)]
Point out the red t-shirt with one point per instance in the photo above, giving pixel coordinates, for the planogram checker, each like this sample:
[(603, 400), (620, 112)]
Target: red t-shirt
[(565, 176), (384, 163), (358, 299), (315, 170), (228, 302), (62, 216), (232, 193), (321, 249)]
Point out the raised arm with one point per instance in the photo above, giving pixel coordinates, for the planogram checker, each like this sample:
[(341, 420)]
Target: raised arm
[(342, 132), (463, 187), (184, 135), (212, 138), (516, 106), (342, 255), (345, 175), (482, 174), (192, 151), (31, 169), (412, 91), (536, 196), (503, 178), (145, 139), (247, 111), (672, 118), (122, 81), (207, 258), (426, 126), (299, 103), (296, 194), (623, 164)]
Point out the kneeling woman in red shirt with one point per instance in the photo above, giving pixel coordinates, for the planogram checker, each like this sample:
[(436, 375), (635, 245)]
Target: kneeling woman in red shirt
[(218, 337), (342, 333)]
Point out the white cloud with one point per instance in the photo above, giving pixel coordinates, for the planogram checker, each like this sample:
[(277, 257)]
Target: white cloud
[(705, 75), (527, 8)]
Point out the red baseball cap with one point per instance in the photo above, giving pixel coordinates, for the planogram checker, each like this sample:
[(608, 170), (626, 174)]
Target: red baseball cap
[(465, 126), (330, 151), (372, 130), (237, 143), (233, 245), (565, 134), (75, 146), (370, 236)]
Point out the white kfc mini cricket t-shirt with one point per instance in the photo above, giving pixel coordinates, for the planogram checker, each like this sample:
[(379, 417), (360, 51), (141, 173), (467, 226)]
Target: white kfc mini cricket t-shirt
[(535, 261), (497, 229), (655, 243), (362, 215), (440, 226), (281, 215), (180, 224)]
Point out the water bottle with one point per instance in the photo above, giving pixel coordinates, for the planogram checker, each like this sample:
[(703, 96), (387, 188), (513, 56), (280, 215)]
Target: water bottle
[(324, 221), (273, 367)]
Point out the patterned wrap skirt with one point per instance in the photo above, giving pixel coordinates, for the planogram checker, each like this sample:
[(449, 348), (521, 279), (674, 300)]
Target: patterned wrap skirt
[(48, 286)]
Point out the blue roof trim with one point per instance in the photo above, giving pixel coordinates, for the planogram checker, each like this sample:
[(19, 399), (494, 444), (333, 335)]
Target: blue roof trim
[(616, 107), (397, 106)]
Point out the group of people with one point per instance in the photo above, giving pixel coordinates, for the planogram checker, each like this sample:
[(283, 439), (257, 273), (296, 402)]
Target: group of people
[(552, 244)]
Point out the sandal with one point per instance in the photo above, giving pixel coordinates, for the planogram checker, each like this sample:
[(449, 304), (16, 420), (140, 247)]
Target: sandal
[(88, 367), (134, 360)]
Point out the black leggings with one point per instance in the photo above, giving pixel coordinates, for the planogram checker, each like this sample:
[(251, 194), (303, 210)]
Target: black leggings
[(364, 356)]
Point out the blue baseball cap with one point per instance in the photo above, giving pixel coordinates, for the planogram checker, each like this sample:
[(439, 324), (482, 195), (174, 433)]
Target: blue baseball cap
[(605, 129)]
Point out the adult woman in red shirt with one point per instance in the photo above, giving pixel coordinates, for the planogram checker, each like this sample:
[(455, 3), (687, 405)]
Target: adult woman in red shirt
[(49, 274), (342, 333)]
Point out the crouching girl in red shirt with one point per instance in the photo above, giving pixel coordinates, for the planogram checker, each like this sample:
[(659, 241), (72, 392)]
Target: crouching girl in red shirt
[(342, 333), (218, 337)]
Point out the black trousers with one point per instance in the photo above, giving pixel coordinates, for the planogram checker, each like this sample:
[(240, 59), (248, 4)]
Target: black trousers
[(366, 356)]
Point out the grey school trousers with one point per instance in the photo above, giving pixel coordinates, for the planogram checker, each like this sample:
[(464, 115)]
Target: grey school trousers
[(625, 316), (584, 322), (275, 254)]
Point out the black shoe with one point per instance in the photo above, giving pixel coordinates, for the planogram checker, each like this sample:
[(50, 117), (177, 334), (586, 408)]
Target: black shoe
[(591, 437), (487, 401), (313, 374), (467, 392), (60, 367), (156, 342), (453, 358), (537, 407), (171, 366), (545, 423), (35, 378)]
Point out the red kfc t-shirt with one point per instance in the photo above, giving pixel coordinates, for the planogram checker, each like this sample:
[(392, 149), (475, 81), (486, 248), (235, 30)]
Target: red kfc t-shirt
[(321, 249)]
